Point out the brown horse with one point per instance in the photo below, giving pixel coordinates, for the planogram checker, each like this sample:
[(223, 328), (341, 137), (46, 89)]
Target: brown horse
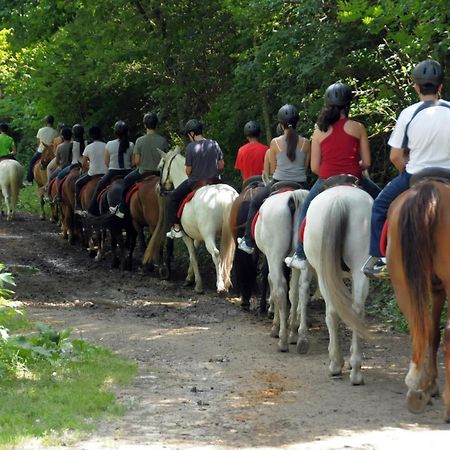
[(245, 266), (418, 255), (147, 209), (40, 175), (54, 206), (71, 227)]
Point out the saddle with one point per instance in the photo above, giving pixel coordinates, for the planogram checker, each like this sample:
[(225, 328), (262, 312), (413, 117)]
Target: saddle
[(252, 182), (195, 187), (283, 186), (344, 179), (431, 174)]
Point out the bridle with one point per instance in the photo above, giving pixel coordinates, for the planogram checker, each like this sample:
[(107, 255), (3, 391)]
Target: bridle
[(162, 190)]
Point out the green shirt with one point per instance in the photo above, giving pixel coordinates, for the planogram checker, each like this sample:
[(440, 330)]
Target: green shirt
[(147, 148), (6, 144)]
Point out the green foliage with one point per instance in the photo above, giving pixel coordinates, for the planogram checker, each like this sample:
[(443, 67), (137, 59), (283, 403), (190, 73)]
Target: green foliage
[(29, 200), (51, 384)]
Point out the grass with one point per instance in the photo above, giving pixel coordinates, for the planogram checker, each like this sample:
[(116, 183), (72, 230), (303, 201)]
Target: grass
[(46, 400), (29, 200)]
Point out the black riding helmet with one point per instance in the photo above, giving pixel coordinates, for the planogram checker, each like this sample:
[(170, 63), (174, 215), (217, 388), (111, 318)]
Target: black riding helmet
[(252, 129), (193, 126), (288, 115), (77, 131), (428, 72), (150, 120), (338, 94), (120, 128)]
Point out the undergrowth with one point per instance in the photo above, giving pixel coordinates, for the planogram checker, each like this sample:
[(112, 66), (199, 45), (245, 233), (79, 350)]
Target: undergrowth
[(51, 384), (29, 200)]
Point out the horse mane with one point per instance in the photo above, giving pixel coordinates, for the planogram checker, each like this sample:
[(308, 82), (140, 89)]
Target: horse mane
[(418, 219)]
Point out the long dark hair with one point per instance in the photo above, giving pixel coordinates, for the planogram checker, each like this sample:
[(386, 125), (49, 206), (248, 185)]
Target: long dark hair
[(331, 114), (78, 136), (121, 131)]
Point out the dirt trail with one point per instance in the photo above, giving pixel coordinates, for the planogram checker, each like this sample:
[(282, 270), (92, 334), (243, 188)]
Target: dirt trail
[(210, 376)]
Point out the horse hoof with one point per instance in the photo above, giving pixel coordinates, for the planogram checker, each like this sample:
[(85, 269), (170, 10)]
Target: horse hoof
[(283, 347), (302, 346), (447, 416), (416, 401), (199, 291), (245, 306), (292, 339), (164, 273), (188, 283), (356, 378), (274, 333)]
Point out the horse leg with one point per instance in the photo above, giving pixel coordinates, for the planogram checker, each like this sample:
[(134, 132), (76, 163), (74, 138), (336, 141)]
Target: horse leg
[(293, 321), (193, 265), (305, 281), (275, 331), (215, 255), (5, 192), (360, 292), (263, 299), (447, 364), (278, 292)]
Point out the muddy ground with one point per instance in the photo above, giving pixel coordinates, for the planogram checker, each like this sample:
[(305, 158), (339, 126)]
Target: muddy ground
[(210, 376)]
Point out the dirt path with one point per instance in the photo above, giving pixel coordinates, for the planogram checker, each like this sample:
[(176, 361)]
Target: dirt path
[(209, 374)]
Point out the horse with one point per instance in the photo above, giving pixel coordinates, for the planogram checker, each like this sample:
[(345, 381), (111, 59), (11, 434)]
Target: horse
[(418, 254), (275, 235), (337, 233), (40, 176), (147, 210), (11, 174), (204, 217), (245, 266), (70, 225)]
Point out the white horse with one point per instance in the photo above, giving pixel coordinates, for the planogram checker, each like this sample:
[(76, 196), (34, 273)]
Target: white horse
[(204, 218), (11, 174), (276, 233), (337, 231)]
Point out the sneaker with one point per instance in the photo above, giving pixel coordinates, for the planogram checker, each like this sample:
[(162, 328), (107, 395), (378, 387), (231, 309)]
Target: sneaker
[(81, 212), (114, 210), (295, 262), (27, 183), (375, 268), (242, 245), (173, 233)]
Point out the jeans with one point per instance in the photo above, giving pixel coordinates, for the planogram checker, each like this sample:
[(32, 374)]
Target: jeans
[(367, 185), (82, 181), (36, 157), (380, 208), (102, 184), (175, 199), (132, 178)]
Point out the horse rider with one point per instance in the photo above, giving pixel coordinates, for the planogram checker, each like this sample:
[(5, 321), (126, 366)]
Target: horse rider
[(58, 140), (421, 139), (63, 152), (204, 162), (145, 157), (78, 145), (93, 157), (7, 145), (118, 160), (339, 146), (250, 157), (45, 137), (288, 156)]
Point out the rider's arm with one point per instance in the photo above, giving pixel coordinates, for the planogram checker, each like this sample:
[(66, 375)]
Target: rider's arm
[(107, 158), (136, 159), (307, 150), (13, 149), (84, 162), (364, 148), (398, 158), (188, 170), (316, 152), (267, 168), (220, 164), (273, 155)]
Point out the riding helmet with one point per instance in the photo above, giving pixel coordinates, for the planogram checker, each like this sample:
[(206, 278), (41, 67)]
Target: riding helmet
[(150, 120), (120, 128), (77, 130), (288, 114), (338, 94), (252, 129), (428, 72), (193, 126)]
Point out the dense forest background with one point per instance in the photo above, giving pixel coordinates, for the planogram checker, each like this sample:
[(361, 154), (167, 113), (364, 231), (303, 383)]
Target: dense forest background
[(223, 61)]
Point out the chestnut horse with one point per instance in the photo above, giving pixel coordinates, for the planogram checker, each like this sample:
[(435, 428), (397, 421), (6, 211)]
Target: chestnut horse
[(418, 255), (147, 210), (40, 176), (71, 226)]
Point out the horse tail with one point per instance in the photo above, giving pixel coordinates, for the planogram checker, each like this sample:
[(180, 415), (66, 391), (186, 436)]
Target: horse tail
[(154, 244), (227, 246), (16, 184), (418, 218), (333, 240)]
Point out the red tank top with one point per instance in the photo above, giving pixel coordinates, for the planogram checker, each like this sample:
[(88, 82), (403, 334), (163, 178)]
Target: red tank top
[(340, 153)]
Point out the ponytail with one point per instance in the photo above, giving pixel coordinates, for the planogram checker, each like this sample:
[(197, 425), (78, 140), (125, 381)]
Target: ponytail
[(331, 114), (124, 144), (291, 142)]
